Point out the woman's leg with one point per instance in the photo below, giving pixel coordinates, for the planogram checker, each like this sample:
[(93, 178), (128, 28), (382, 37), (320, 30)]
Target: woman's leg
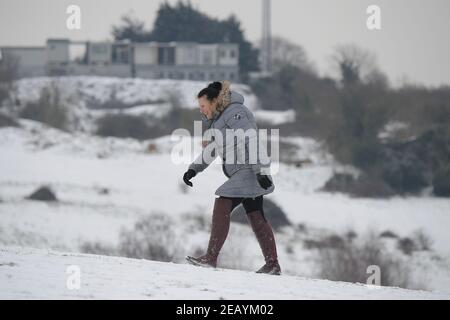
[(264, 233), (223, 206)]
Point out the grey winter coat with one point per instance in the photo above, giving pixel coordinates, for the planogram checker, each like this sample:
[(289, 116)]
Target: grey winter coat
[(241, 171)]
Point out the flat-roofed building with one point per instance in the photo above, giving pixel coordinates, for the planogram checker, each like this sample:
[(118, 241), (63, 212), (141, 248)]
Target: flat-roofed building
[(155, 60), (31, 61), (145, 53)]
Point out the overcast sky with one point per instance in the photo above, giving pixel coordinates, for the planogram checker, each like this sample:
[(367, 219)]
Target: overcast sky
[(413, 42)]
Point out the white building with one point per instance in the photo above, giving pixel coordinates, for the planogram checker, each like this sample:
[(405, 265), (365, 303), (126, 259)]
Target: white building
[(174, 60), (31, 60)]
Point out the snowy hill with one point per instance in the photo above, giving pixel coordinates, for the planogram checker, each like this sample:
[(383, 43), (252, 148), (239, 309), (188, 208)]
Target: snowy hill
[(43, 274), (105, 185), (89, 97), (80, 167), (127, 90)]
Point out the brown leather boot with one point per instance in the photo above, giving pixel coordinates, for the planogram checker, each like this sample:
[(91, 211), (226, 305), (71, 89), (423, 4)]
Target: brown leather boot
[(219, 231), (266, 239)]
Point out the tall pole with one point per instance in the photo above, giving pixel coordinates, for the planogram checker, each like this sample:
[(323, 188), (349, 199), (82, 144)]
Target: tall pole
[(266, 46)]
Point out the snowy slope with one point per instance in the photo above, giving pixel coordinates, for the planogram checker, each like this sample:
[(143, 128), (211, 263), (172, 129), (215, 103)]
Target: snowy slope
[(85, 95), (127, 90), (42, 274), (79, 167)]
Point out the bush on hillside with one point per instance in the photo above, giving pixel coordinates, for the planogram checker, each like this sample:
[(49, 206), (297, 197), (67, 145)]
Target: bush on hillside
[(49, 108), (7, 121), (350, 261), (127, 126), (273, 213)]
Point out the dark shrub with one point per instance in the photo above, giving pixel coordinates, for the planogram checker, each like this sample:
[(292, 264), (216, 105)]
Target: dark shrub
[(4, 93), (441, 182), (371, 185), (407, 245), (339, 182), (301, 227), (289, 249), (6, 121), (350, 261), (103, 191), (98, 248), (9, 64), (334, 241), (410, 166), (366, 185), (127, 126), (350, 235), (273, 213), (408, 175), (312, 244), (388, 234), (331, 241), (422, 240), (49, 109), (153, 237), (43, 194), (365, 153)]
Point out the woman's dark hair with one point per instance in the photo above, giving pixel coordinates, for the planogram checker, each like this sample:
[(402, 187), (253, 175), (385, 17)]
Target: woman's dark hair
[(211, 91)]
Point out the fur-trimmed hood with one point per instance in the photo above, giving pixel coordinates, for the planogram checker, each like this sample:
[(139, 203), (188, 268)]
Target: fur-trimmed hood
[(233, 97), (230, 98), (223, 100)]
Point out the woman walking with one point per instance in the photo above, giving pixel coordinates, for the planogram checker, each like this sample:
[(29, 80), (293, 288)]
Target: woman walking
[(223, 109)]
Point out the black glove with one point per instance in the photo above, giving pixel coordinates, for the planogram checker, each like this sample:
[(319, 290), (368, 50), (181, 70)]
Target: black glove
[(188, 175), (263, 181)]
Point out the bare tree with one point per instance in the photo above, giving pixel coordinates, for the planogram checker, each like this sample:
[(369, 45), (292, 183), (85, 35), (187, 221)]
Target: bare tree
[(285, 53), (356, 65), (8, 74)]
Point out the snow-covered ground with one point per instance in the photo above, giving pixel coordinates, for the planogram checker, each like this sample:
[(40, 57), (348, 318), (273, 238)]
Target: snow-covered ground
[(45, 274), (78, 167), (105, 185), (85, 97), (127, 90), (275, 117)]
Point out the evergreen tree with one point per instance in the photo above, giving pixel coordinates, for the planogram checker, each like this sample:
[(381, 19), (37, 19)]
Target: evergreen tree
[(182, 22), (131, 29)]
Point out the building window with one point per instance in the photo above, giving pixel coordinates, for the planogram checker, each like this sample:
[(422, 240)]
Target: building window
[(99, 49), (191, 56), (120, 54), (232, 53), (166, 55), (207, 57)]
